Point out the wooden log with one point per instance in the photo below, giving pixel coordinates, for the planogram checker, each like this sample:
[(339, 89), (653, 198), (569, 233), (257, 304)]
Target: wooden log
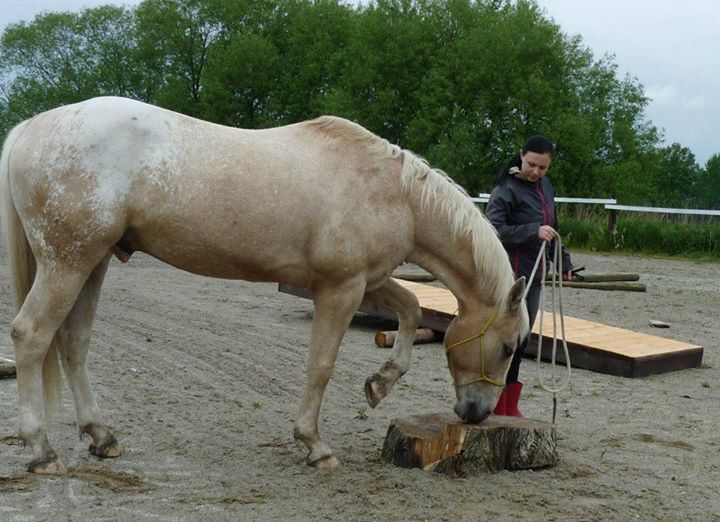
[(619, 285), (442, 443), (419, 277), (602, 278), (422, 336), (7, 368)]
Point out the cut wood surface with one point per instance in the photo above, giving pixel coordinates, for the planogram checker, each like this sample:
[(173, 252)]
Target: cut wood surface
[(441, 442), (422, 335)]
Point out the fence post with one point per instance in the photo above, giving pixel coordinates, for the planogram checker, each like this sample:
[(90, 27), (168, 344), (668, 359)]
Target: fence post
[(612, 221), (612, 217)]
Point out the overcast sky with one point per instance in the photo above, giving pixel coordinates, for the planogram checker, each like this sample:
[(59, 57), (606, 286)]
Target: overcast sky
[(670, 46)]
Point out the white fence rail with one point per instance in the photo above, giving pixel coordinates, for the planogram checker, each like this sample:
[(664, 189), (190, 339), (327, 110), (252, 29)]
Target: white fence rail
[(484, 197), (613, 208), (658, 210)]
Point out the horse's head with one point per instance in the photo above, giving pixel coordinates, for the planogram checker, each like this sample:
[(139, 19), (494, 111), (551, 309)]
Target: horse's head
[(480, 344)]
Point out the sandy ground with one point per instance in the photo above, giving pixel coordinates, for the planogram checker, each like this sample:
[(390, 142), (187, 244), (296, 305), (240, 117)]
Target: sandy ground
[(200, 379)]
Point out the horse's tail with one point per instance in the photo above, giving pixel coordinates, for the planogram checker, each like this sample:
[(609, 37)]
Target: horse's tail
[(22, 269)]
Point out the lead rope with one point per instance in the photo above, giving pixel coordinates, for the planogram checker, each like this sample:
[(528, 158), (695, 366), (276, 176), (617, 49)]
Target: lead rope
[(553, 387)]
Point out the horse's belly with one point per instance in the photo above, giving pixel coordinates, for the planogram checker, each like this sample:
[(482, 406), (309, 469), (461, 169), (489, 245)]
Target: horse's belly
[(229, 259)]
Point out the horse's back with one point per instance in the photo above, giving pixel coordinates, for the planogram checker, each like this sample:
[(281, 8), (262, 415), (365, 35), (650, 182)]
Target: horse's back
[(256, 204)]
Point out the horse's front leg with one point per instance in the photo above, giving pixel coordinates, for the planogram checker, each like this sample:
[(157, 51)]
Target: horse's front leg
[(404, 302), (334, 308)]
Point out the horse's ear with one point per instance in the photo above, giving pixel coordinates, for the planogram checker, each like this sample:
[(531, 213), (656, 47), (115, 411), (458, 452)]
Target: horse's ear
[(516, 295)]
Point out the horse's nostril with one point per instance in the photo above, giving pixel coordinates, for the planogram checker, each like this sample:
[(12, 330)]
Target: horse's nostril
[(470, 412)]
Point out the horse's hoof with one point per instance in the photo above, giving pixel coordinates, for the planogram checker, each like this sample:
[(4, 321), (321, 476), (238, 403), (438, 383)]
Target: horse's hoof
[(109, 449), (47, 467), (373, 391), (327, 462)]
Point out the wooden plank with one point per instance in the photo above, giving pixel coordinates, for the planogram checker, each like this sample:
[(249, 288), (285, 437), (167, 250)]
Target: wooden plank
[(593, 346)]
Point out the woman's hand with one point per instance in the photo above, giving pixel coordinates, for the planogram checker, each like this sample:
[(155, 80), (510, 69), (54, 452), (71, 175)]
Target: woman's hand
[(546, 233)]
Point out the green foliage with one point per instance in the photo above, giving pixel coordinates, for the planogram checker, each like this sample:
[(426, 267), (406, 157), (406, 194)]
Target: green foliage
[(62, 58), (462, 82), (707, 190), (676, 180)]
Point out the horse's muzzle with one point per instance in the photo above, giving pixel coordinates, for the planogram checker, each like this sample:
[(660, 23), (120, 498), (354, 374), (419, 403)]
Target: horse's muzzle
[(471, 411)]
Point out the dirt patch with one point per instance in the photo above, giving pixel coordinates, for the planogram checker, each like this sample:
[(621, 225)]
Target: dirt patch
[(16, 483), (201, 379), (112, 480)]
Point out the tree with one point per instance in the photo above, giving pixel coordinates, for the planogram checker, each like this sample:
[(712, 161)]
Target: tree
[(677, 178), (461, 82), (62, 58), (707, 192), (174, 40)]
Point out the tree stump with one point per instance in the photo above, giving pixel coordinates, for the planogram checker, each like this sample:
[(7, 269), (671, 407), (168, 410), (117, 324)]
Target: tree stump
[(441, 442), (7, 368)]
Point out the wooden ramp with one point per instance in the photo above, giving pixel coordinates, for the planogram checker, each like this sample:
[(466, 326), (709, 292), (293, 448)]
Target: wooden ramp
[(593, 346)]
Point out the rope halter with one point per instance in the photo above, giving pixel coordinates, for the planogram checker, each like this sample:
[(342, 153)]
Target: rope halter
[(480, 335)]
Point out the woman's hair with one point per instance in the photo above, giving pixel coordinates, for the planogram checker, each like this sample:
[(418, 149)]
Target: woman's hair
[(537, 144)]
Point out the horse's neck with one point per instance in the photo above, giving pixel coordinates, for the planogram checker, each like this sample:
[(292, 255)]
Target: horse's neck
[(464, 288), (451, 260)]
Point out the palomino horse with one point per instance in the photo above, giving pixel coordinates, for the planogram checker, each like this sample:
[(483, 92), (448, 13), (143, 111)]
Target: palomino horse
[(323, 204)]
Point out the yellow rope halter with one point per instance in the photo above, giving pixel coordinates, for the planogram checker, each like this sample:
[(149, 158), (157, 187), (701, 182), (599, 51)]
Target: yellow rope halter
[(479, 335)]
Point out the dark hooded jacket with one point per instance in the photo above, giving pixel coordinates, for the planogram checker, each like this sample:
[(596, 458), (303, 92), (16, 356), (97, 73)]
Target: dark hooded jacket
[(517, 208)]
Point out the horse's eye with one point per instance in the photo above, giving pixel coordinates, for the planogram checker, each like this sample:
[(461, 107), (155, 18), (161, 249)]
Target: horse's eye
[(509, 350)]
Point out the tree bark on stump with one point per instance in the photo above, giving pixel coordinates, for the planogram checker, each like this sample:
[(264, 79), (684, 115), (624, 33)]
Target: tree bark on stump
[(441, 442)]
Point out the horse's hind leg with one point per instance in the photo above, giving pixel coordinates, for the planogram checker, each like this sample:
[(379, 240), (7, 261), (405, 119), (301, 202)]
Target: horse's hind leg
[(51, 297), (74, 343), (407, 307), (334, 308)]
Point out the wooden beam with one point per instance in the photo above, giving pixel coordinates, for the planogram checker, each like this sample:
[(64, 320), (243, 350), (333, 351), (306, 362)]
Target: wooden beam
[(601, 277), (618, 285), (7, 368), (422, 336)]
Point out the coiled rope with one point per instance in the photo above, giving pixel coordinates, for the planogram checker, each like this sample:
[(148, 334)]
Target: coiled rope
[(554, 386)]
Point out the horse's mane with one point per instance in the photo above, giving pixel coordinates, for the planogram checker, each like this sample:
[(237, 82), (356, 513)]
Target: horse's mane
[(439, 194), (351, 132)]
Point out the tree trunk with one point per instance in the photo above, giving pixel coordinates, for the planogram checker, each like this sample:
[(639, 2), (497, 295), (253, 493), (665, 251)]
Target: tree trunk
[(441, 442)]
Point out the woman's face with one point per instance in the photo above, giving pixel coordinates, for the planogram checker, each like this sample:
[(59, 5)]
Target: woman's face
[(534, 166)]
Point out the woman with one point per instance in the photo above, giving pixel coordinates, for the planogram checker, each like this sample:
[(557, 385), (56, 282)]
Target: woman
[(522, 209)]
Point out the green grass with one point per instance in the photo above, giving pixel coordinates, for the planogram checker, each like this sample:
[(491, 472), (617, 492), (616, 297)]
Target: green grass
[(647, 236)]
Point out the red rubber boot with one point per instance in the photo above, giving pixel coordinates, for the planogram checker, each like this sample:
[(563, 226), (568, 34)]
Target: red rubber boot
[(513, 397), (501, 404)]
